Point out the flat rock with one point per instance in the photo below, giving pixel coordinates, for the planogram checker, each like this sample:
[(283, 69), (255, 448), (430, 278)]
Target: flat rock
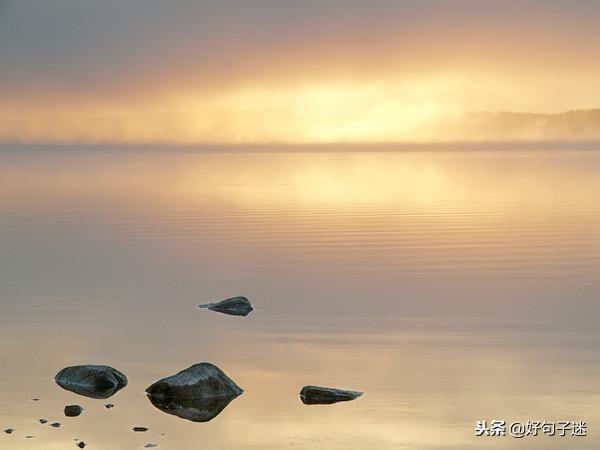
[(198, 393), (91, 380), (317, 395), (139, 429), (73, 410), (235, 306)]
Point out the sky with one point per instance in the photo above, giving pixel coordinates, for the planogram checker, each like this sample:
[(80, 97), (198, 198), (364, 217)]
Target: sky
[(282, 71)]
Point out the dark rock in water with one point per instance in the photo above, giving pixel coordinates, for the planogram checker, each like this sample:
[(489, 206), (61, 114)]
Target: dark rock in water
[(35, 399), (150, 445), (42, 421), (203, 380), (140, 429), (198, 393), (235, 306), (81, 444), (109, 406), (316, 395), (73, 410), (29, 437), (9, 430), (55, 425), (91, 381)]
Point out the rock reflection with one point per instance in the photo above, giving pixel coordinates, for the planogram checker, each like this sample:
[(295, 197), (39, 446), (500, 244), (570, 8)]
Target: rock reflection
[(196, 409)]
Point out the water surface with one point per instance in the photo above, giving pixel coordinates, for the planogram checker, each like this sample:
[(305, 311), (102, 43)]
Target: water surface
[(449, 286)]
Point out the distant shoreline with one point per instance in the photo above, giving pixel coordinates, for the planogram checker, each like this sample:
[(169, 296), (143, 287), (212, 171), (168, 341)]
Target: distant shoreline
[(342, 147)]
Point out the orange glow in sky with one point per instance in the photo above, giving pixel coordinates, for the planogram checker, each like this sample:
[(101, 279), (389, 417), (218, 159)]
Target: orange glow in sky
[(276, 72)]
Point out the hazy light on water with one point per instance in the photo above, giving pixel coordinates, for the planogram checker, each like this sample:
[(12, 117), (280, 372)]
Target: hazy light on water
[(445, 285)]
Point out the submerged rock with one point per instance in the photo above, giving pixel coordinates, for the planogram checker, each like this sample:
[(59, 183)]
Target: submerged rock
[(150, 445), (73, 410), (139, 429), (316, 395), (109, 406), (91, 381), (43, 421), (81, 444), (9, 430), (235, 306), (55, 425), (198, 393)]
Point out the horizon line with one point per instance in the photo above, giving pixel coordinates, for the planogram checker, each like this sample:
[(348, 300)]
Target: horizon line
[(282, 146)]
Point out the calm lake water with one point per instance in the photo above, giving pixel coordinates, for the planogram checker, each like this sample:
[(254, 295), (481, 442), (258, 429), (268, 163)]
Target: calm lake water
[(448, 286)]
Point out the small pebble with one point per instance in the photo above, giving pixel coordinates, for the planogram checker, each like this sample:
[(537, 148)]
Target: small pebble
[(43, 421), (109, 405), (55, 425), (150, 445), (29, 437), (73, 410), (35, 399), (9, 430), (140, 429), (81, 444)]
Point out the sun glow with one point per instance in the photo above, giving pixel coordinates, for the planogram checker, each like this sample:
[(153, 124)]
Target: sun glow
[(212, 72), (297, 113), (417, 109)]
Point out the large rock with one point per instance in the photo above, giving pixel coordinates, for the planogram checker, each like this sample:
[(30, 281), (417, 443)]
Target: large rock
[(203, 380), (235, 306), (316, 395), (91, 381), (198, 393)]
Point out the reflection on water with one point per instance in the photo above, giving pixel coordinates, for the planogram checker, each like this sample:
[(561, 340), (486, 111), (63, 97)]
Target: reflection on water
[(450, 287), (194, 409)]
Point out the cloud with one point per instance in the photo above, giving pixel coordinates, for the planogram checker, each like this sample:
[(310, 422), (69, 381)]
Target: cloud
[(187, 69)]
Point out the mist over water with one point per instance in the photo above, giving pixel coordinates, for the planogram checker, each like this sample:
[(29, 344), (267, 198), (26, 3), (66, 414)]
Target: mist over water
[(449, 286)]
